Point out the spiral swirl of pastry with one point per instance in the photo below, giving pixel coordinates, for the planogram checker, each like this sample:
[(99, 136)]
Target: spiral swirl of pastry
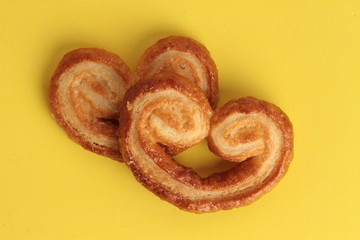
[(185, 57), (85, 95), (248, 127), (262, 128)]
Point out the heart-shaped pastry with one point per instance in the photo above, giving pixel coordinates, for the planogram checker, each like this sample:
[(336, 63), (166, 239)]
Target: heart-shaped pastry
[(167, 109)]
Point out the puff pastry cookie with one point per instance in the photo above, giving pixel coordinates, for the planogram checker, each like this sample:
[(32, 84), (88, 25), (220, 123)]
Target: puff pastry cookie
[(85, 94), (254, 132), (184, 56)]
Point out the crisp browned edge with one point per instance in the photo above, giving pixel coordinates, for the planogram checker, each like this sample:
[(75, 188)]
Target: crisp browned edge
[(184, 44), (249, 105), (70, 60), (252, 194)]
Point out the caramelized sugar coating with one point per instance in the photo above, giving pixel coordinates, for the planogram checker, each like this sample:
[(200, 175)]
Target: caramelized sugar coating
[(85, 95), (183, 56), (166, 106)]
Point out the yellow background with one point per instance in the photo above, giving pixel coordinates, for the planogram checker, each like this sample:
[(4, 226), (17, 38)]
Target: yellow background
[(303, 56)]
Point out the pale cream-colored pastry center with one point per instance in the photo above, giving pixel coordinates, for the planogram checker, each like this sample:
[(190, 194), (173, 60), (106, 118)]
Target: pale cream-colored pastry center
[(183, 63), (240, 136), (170, 117), (90, 91)]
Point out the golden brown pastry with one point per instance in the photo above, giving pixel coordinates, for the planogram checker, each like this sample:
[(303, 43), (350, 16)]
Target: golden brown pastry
[(166, 110), (85, 94), (184, 56), (242, 129)]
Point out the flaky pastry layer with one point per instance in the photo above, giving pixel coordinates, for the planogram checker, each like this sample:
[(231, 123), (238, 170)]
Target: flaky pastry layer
[(85, 94), (186, 57)]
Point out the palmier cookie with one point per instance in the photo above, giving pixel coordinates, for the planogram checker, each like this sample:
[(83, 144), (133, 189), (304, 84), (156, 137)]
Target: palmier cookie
[(183, 56), (183, 187), (85, 94)]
